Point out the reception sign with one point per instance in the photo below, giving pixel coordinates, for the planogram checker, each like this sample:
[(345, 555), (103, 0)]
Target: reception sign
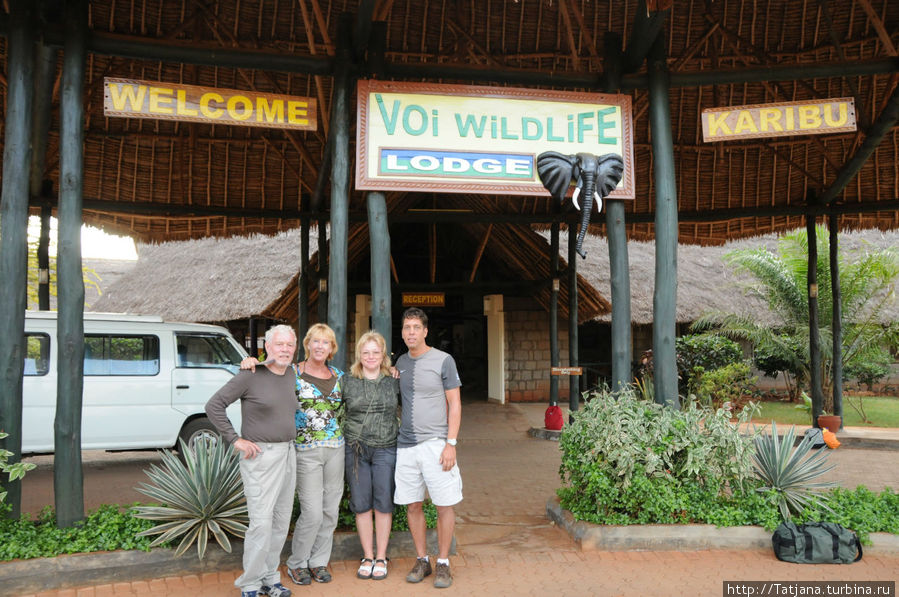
[(813, 117), (463, 139), (130, 98)]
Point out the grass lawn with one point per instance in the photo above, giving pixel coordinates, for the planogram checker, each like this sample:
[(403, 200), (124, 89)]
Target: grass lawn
[(882, 411)]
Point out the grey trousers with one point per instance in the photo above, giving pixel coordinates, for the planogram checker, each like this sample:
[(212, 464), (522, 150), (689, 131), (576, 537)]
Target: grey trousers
[(268, 483), (320, 487)]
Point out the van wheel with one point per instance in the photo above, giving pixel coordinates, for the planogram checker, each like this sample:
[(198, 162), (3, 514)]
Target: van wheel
[(199, 430)]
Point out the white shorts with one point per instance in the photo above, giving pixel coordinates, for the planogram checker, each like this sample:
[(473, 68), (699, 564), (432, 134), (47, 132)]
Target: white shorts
[(418, 468)]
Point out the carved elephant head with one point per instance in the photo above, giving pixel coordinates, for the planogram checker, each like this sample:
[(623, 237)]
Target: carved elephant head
[(594, 176)]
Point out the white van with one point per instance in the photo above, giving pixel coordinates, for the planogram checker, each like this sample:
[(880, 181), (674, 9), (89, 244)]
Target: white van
[(146, 381)]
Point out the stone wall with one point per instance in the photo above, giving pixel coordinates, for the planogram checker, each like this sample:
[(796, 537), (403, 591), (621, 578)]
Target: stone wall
[(528, 359)]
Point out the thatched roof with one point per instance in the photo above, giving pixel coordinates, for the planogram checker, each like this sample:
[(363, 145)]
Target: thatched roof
[(207, 279), (221, 279), (159, 180), (704, 282)]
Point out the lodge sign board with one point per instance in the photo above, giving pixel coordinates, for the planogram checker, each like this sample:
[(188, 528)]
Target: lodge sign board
[(424, 299), (466, 138), (132, 98), (812, 117), (566, 371)]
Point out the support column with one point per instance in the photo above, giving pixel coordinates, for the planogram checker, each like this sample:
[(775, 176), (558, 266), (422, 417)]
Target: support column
[(837, 322), (14, 233), (620, 279), (664, 300), (322, 271), (554, 312), (814, 340), (253, 348), (379, 238), (573, 380), (340, 191), (496, 348), (68, 480), (303, 280), (361, 321), (39, 188)]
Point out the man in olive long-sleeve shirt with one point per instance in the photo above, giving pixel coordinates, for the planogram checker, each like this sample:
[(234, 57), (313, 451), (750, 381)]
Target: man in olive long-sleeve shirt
[(268, 407)]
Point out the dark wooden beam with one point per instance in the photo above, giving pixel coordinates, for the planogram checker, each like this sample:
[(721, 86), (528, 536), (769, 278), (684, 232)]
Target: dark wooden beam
[(379, 239), (647, 26), (13, 233), (664, 302), (555, 285), (814, 340), (68, 478), (836, 322), (574, 393)]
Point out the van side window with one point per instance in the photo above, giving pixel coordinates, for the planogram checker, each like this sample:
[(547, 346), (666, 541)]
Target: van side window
[(121, 355), (37, 354), (207, 350)]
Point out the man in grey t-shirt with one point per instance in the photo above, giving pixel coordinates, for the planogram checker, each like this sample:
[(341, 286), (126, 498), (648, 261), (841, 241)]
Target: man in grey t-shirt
[(426, 446)]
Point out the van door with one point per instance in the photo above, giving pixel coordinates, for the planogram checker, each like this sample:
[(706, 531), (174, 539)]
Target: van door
[(205, 362), (125, 404), (38, 393)]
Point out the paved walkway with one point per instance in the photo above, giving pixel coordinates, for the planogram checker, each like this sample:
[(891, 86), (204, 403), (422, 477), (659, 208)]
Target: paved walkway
[(507, 546)]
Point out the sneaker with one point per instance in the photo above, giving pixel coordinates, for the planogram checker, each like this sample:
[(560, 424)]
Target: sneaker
[(249, 593), (300, 576), (276, 590), (421, 569), (444, 578), (321, 574)]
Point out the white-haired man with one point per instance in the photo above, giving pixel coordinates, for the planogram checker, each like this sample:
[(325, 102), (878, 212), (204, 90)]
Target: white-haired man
[(268, 407)]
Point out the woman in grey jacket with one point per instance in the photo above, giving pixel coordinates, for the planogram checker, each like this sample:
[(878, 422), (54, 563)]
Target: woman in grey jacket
[(370, 428)]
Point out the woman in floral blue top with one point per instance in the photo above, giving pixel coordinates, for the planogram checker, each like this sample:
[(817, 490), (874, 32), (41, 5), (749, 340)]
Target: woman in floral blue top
[(320, 456)]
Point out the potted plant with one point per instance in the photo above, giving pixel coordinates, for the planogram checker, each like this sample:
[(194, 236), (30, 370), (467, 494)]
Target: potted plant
[(825, 421)]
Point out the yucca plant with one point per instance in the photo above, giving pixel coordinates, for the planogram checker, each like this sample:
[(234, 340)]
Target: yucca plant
[(202, 495), (788, 470)]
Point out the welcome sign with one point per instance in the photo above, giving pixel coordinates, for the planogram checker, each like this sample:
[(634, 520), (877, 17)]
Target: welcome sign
[(131, 98), (462, 138), (781, 119)]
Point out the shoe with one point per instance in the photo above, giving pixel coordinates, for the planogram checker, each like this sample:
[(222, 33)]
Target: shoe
[(321, 574), (379, 572), (421, 569), (249, 593), (299, 576), (444, 578), (365, 567), (276, 590)]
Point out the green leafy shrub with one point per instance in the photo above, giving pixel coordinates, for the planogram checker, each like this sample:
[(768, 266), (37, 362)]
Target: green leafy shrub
[(732, 383), (706, 351), (15, 471), (624, 458), (871, 371), (201, 496), (107, 528)]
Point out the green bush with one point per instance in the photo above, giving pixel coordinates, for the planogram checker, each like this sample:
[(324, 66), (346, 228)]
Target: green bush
[(706, 351), (625, 458), (107, 528), (732, 383), (869, 372), (15, 471)]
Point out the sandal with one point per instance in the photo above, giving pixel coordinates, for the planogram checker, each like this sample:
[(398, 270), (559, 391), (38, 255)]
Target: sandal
[(365, 568), (379, 571)]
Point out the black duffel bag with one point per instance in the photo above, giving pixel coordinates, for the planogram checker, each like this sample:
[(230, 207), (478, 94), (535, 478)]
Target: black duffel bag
[(816, 543)]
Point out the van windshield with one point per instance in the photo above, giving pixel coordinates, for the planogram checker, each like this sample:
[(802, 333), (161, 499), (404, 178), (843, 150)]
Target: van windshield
[(207, 350)]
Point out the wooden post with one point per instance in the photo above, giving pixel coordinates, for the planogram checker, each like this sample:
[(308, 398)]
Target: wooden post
[(303, 280), (379, 237), (14, 233), (44, 72), (554, 312), (664, 302), (68, 479), (253, 348), (322, 272), (573, 380), (340, 191), (837, 316), (620, 279), (814, 341)]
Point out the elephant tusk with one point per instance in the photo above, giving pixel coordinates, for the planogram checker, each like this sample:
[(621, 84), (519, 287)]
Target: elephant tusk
[(574, 196), (598, 202)]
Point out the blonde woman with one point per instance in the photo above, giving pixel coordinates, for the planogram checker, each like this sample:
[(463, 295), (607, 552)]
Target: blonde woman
[(370, 427), (320, 456)]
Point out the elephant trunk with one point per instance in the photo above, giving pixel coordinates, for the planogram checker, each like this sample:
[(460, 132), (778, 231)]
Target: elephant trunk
[(586, 210)]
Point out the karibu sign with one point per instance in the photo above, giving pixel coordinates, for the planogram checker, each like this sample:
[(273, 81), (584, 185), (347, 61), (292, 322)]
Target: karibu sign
[(131, 98), (462, 138), (813, 117)]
